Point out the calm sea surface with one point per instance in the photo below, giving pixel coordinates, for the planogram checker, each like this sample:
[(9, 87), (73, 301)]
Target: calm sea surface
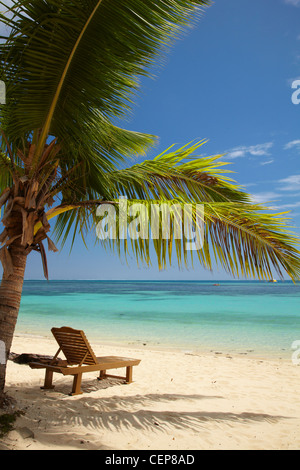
[(254, 318)]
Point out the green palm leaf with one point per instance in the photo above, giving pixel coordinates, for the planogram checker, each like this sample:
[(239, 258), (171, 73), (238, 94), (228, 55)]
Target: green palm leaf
[(75, 65), (243, 237)]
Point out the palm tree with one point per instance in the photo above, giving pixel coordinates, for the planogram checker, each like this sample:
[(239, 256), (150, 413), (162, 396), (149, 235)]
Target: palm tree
[(71, 68)]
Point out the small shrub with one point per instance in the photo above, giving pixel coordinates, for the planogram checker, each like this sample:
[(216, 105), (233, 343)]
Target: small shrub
[(7, 422)]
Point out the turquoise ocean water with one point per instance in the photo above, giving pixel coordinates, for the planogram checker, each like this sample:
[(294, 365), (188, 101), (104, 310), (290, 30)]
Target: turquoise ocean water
[(254, 318)]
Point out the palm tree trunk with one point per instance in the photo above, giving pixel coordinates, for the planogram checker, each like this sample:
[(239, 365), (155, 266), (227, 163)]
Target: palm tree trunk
[(10, 298)]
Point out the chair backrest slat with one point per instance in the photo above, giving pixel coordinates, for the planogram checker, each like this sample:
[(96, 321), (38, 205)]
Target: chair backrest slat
[(74, 345)]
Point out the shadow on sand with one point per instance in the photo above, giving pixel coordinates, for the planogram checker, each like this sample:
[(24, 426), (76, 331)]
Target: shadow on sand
[(58, 413)]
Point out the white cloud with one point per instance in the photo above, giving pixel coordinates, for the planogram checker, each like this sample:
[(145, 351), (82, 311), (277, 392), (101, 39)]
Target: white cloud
[(236, 153), (268, 162), (292, 144), (286, 206), (291, 183), (295, 3), (269, 199), (253, 150), (266, 197)]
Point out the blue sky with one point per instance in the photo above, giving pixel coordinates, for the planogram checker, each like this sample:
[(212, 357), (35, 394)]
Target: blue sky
[(229, 81)]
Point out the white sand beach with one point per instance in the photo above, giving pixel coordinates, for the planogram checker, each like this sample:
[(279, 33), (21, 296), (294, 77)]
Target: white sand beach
[(178, 401)]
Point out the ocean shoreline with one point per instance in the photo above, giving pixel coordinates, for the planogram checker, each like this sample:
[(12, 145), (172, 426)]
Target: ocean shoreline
[(250, 318), (142, 346)]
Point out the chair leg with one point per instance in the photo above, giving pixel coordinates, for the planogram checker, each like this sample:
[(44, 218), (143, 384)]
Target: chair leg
[(76, 385), (102, 375), (48, 380), (129, 374)]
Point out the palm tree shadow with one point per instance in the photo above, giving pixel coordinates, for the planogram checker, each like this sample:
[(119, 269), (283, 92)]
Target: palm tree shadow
[(124, 413), (130, 413)]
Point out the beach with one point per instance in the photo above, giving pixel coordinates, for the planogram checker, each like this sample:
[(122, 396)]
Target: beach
[(157, 222), (179, 400)]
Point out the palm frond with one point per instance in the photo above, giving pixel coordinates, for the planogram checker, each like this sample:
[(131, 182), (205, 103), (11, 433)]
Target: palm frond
[(76, 65), (183, 174), (6, 172), (248, 241), (244, 238)]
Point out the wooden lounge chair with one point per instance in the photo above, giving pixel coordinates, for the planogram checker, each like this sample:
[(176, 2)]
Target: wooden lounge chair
[(80, 358)]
